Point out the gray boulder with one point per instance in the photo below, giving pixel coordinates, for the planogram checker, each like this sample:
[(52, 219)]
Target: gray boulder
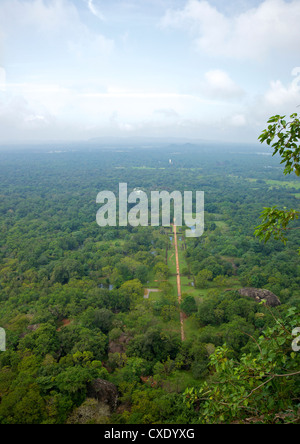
[(259, 294), (104, 392)]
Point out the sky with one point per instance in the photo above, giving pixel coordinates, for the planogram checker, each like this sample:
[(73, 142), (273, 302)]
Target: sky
[(195, 69)]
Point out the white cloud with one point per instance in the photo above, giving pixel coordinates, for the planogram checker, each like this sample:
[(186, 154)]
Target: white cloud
[(63, 45), (273, 25), (238, 120), (219, 85), (90, 46), (19, 117), (279, 95), (63, 74), (94, 10), (52, 16), (2, 79), (279, 98), (168, 113), (54, 22)]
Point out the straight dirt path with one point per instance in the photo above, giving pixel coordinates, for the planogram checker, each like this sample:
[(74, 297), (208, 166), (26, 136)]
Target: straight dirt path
[(178, 280)]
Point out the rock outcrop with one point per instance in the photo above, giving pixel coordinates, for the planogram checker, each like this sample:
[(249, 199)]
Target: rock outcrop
[(259, 295), (119, 345), (104, 392)]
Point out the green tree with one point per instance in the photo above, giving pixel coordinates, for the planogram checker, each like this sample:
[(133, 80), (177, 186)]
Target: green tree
[(188, 305), (203, 277), (44, 340), (258, 386), (134, 289), (284, 138), (22, 403), (132, 371), (162, 271), (97, 318)]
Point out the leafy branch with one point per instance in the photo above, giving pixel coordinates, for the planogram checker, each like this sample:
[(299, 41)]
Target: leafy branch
[(287, 136), (284, 138), (275, 223), (259, 384)]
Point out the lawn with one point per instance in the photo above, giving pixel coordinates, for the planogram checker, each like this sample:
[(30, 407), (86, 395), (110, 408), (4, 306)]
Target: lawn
[(191, 327), (179, 380), (281, 183)]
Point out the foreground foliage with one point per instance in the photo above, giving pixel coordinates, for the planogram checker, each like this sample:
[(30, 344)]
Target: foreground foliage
[(263, 386), (287, 137)]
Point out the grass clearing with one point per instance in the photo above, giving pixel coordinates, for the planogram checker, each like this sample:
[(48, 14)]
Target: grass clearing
[(191, 327), (179, 380), (287, 184)]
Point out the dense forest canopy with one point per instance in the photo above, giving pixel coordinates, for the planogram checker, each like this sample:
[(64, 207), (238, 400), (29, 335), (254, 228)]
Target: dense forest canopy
[(74, 299)]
